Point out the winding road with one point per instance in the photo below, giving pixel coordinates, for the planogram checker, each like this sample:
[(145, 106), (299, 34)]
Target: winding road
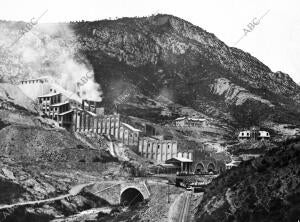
[(72, 192)]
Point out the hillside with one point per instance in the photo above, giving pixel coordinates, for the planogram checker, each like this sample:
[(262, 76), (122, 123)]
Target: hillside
[(142, 67), (171, 63), (265, 189), (170, 57)]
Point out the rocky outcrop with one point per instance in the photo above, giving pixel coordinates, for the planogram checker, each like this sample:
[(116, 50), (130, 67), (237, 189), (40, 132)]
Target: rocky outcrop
[(19, 184), (12, 94), (233, 94), (264, 189)]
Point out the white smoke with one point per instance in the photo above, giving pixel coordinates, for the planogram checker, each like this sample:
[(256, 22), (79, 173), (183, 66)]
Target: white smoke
[(48, 50)]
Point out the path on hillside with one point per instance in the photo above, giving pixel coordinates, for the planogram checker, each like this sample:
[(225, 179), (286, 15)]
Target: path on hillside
[(72, 192)]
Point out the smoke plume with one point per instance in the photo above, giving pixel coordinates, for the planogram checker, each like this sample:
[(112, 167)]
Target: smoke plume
[(46, 50)]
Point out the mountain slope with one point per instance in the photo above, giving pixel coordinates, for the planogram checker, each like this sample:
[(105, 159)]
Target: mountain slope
[(169, 56), (164, 57), (265, 189)]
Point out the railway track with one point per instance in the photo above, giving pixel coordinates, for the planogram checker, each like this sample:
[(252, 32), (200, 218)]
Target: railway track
[(183, 217), (196, 199)]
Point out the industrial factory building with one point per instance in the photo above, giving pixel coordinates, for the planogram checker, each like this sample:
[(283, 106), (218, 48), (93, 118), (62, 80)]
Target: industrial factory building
[(88, 117)]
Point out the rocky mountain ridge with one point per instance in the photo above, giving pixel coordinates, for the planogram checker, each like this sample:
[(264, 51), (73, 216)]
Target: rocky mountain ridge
[(162, 55), (167, 56)]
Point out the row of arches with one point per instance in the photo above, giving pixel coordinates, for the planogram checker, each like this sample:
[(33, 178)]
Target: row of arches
[(201, 168)]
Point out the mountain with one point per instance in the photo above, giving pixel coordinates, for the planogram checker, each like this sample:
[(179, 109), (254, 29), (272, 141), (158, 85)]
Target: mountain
[(163, 58), (166, 56), (142, 67)]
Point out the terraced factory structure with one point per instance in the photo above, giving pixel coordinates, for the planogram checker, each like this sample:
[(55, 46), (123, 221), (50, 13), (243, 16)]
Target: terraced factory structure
[(87, 117)]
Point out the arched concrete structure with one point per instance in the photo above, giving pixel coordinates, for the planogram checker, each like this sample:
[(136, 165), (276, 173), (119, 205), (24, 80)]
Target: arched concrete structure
[(199, 168), (211, 167), (206, 166), (141, 187), (130, 196), (112, 192)]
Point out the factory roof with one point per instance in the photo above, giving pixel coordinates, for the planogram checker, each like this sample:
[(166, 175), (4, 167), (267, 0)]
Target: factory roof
[(191, 119), (49, 95), (179, 159), (65, 113), (41, 78), (91, 113), (131, 127), (60, 104), (167, 165)]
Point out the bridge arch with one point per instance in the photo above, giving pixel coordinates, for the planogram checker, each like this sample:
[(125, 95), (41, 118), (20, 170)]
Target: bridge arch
[(131, 195), (211, 167), (199, 168)]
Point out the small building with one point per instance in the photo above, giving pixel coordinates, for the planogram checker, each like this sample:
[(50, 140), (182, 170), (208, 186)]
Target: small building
[(93, 106), (244, 135), (190, 122), (253, 133), (184, 164), (263, 135), (165, 168), (45, 102)]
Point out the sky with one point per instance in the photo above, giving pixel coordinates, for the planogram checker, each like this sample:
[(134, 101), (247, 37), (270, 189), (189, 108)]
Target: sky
[(267, 29)]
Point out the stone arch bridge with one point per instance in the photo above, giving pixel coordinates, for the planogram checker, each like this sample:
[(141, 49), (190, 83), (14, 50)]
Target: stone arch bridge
[(120, 192)]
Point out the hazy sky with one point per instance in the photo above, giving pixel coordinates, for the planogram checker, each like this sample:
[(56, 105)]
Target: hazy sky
[(274, 40)]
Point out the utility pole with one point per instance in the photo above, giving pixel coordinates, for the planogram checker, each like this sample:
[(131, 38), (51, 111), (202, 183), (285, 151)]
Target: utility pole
[(168, 192)]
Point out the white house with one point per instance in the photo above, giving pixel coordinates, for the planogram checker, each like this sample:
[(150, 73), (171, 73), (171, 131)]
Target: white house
[(191, 122), (246, 134), (254, 134), (263, 135)]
